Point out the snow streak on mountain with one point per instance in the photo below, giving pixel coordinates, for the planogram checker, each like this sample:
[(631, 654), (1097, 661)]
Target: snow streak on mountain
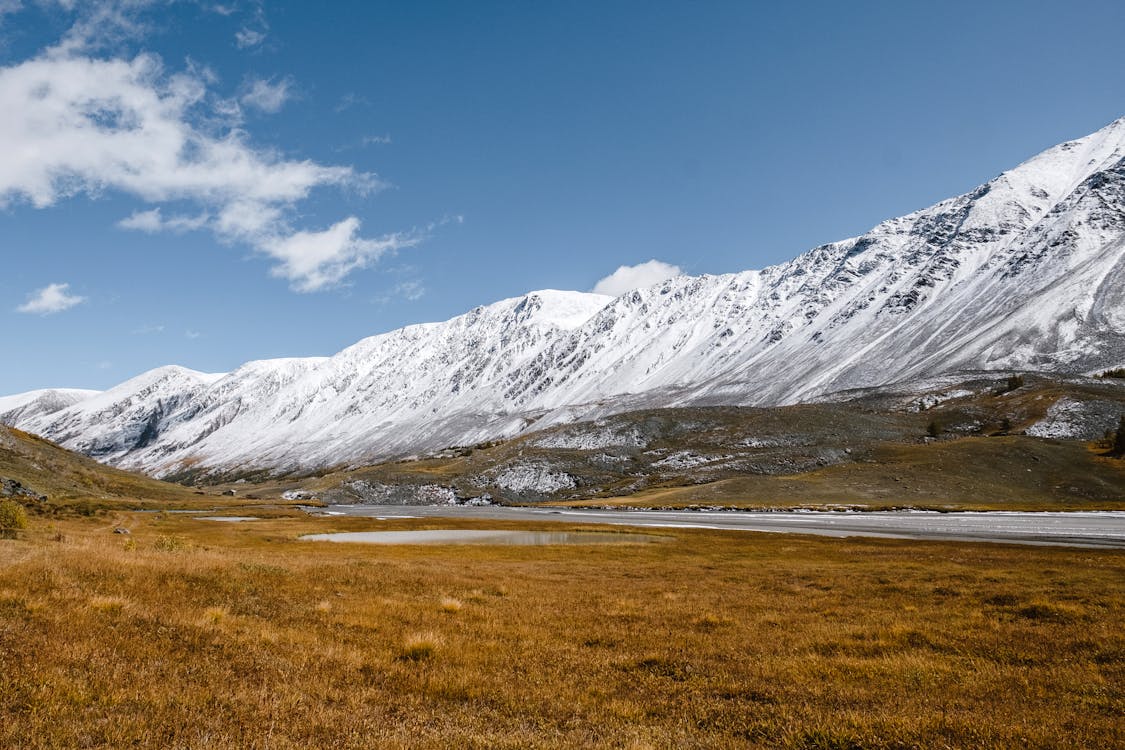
[(1024, 272)]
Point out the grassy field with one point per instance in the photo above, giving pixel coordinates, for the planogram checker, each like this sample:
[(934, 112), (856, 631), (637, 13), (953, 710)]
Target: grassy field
[(188, 633)]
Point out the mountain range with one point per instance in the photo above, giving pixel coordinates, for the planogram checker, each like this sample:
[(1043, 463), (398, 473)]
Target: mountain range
[(1025, 272)]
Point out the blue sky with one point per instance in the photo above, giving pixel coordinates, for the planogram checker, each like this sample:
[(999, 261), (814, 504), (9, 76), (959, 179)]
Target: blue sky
[(205, 183)]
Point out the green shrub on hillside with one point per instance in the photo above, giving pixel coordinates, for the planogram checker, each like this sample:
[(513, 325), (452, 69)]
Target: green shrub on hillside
[(13, 518)]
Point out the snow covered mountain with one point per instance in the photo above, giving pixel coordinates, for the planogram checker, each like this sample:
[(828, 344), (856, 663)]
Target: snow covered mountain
[(1024, 272)]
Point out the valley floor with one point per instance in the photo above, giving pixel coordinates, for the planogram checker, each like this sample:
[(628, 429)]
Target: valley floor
[(189, 633)]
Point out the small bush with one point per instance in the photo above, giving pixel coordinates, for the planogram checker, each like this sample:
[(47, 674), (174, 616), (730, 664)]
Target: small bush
[(709, 621), (933, 429), (1117, 372), (1118, 448), (168, 543), (13, 518), (1014, 382), (449, 605)]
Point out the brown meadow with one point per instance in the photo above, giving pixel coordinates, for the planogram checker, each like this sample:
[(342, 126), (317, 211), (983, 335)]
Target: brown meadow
[(195, 634)]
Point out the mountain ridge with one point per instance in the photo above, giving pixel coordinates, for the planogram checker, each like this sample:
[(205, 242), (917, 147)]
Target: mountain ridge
[(1024, 272)]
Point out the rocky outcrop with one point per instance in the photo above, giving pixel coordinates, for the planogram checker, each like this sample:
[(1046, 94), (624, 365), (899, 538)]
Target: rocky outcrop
[(15, 489)]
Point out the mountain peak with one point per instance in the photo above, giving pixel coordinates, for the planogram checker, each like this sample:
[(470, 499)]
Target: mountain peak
[(1025, 272)]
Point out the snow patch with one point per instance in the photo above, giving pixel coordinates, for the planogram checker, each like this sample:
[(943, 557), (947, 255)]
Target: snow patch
[(1068, 419)]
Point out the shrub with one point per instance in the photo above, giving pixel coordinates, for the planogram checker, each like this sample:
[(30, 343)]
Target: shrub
[(1118, 448), (1014, 382), (169, 543), (13, 518), (1117, 372), (933, 429)]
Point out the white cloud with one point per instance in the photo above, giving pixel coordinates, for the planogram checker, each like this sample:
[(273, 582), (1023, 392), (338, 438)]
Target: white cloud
[(628, 278), (146, 330), (76, 124), (52, 298), (265, 95), (376, 139), (152, 222), (314, 260), (192, 334)]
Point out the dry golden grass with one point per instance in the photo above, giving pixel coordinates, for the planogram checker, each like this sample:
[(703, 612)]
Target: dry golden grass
[(241, 636)]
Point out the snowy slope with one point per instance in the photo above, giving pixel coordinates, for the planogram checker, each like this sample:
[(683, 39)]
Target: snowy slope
[(24, 407), (1025, 272)]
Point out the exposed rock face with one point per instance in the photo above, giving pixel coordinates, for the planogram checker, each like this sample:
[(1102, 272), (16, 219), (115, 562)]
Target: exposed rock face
[(15, 489), (1025, 272), (377, 493)]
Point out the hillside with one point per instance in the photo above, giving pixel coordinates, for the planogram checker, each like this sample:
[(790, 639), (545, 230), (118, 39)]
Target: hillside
[(981, 442), (67, 478)]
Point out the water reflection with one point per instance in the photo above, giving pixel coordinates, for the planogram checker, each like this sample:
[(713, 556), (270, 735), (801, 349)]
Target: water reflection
[(482, 536)]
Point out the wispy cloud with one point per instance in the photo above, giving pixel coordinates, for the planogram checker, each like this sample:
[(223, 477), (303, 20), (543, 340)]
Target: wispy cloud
[(264, 95), (103, 24), (146, 330), (190, 334), (256, 29), (409, 290), (152, 221), (79, 124), (628, 278), (349, 100), (9, 7), (369, 140), (53, 298), (247, 37)]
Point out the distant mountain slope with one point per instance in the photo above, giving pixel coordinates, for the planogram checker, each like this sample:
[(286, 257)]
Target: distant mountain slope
[(1024, 272), (24, 407)]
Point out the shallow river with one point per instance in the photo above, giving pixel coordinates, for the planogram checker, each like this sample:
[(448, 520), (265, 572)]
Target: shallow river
[(1075, 529)]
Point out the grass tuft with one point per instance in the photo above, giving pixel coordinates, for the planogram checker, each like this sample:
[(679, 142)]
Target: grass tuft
[(110, 604), (418, 648), (1045, 611), (215, 615)]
